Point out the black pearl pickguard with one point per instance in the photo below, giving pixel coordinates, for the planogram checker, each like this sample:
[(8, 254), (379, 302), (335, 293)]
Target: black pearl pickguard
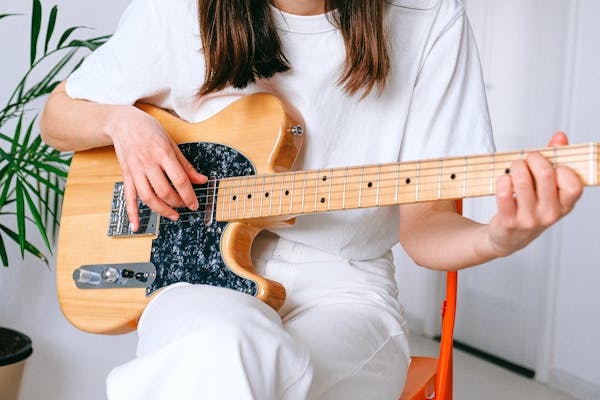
[(189, 250)]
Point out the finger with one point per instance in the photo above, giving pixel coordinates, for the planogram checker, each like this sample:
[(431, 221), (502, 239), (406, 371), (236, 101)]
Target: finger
[(548, 209), (507, 206), (193, 175), (558, 139), (149, 198), (182, 183), (524, 190), (162, 188), (131, 204), (570, 188)]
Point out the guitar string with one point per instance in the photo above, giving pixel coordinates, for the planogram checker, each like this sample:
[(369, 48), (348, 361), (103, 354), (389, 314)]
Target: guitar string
[(430, 192), (254, 179), (311, 192)]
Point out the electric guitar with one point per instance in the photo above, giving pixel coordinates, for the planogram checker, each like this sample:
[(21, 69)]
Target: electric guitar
[(106, 274)]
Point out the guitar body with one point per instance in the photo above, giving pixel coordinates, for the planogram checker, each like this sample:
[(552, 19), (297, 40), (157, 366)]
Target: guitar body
[(251, 136)]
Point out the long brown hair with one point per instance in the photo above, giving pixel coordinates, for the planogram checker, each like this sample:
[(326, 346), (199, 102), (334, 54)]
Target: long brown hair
[(241, 43)]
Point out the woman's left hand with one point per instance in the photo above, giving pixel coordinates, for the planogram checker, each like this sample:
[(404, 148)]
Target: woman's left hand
[(530, 199)]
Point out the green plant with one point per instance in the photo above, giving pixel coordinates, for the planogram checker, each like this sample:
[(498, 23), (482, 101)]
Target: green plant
[(31, 173)]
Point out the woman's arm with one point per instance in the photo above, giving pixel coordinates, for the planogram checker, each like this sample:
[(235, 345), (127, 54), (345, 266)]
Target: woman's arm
[(530, 199), (152, 165)]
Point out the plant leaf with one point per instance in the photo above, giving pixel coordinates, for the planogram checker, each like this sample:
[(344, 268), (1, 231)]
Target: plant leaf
[(7, 15), (16, 137), (55, 205), (66, 34), (24, 146), (36, 23), (30, 248), (3, 254), (37, 218), (20, 216), (50, 28), (91, 44), (37, 176), (9, 177), (50, 167)]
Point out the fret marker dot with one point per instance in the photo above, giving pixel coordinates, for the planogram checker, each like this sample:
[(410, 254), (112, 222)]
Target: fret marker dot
[(507, 171), (322, 199), (287, 192), (453, 176), (370, 184), (407, 181), (234, 198), (324, 178), (250, 196), (267, 194)]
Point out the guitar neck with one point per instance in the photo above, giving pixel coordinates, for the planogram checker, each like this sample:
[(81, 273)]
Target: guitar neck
[(308, 192)]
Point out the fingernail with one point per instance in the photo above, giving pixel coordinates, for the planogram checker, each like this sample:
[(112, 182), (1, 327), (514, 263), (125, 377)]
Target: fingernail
[(132, 227)]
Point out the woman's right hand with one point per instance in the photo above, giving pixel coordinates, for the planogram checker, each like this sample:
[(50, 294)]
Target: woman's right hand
[(152, 165)]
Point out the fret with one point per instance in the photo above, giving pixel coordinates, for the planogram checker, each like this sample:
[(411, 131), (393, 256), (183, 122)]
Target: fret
[(237, 201), (452, 178), (597, 165), (439, 189), (344, 191), (465, 177), (329, 191), (303, 191), (417, 181), (378, 185), (352, 188), (271, 194), (387, 189), (281, 194), (262, 195), (407, 182), (253, 195), (502, 166), (397, 182), (246, 196), (369, 186), (478, 171), (334, 190), (362, 170), (317, 177), (292, 194), (222, 186), (492, 174), (593, 168)]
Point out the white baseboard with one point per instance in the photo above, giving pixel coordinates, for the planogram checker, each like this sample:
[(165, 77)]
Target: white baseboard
[(573, 385)]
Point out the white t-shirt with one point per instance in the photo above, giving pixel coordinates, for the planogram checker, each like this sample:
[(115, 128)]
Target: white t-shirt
[(433, 105)]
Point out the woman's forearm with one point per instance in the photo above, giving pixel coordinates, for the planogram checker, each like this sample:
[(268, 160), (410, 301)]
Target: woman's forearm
[(442, 239), (72, 125)]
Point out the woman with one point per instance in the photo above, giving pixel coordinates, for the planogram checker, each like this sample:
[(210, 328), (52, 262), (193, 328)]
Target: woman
[(376, 81)]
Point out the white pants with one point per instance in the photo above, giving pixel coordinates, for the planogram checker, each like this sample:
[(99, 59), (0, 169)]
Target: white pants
[(341, 334)]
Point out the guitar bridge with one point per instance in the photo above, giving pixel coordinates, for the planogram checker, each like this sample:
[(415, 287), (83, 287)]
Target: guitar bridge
[(119, 221)]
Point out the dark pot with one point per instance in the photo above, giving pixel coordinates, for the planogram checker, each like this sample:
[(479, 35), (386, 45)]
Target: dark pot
[(15, 347)]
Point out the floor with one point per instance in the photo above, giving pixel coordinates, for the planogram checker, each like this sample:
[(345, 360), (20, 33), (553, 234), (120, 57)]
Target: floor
[(475, 378)]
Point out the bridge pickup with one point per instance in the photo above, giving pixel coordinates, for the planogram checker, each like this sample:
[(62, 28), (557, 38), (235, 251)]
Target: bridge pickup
[(115, 276), (119, 221)]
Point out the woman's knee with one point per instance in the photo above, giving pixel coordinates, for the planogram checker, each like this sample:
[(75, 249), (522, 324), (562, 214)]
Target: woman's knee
[(202, 310)]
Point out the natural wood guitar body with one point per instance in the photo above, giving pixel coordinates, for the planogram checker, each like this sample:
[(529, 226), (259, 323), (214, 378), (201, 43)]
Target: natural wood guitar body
[(258, 126)]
